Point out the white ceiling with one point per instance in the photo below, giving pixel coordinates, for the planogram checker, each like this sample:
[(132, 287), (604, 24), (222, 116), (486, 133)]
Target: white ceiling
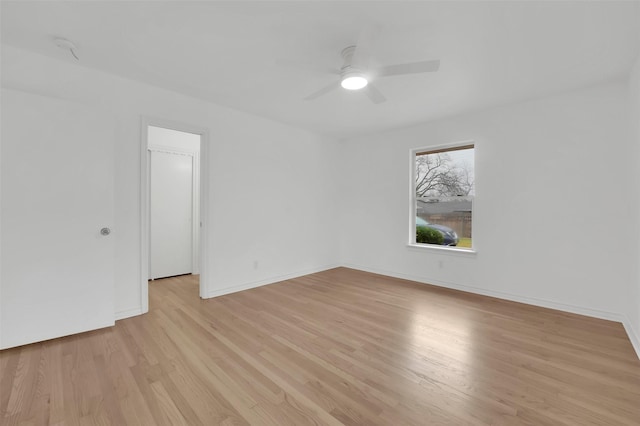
[(235, 53)]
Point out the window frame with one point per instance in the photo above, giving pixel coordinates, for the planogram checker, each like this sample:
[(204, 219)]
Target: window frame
[(413, 200)]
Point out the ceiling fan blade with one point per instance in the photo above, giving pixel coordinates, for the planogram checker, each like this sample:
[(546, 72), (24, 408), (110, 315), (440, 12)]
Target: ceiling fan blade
[(374, 94), (363, 51), (323, 91), (410, 68)]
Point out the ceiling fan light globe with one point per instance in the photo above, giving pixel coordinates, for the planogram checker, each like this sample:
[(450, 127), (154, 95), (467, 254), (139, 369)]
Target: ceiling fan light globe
[(354, 82)]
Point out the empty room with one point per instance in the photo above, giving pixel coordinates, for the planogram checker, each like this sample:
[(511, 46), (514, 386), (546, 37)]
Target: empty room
[(320, 213)]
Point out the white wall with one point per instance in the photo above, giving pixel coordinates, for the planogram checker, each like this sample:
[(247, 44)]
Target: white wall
[(551, 221), (160, 137), (271, 194), (551, 215), (633, 298)]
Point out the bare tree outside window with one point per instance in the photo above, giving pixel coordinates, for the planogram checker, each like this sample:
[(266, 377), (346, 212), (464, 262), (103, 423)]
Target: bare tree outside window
[(438, 175), (444, 188)]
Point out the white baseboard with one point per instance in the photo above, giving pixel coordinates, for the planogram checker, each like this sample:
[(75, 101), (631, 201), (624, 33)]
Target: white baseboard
[(267, 281), (127, 313), (633, 334), (81, 328), (595, 313)]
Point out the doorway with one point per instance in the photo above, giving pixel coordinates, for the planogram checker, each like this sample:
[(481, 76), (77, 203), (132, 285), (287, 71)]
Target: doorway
[(174, 158), (172, 203)]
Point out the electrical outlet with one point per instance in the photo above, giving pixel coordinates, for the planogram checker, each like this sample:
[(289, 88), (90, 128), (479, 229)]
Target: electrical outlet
[(255, 264)]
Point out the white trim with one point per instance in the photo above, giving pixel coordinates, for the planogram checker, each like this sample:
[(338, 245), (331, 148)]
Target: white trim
[(144, 201), (127, 313), (144, 217), (413, 200), (45, 337), (595, 313), (442, 249), (173, 150), (413, 206), (443, 146), (633, 334), (195, 209), (267, 281), (1, 299), (203, 167)]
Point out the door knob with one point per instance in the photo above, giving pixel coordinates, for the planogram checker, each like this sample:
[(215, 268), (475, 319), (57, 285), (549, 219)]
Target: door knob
[(105, 231)]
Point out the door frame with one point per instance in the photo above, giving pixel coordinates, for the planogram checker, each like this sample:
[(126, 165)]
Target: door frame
[(145, 201)]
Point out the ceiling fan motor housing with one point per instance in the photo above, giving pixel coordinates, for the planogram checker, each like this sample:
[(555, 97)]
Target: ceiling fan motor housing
[(351, 78), (347, 56)]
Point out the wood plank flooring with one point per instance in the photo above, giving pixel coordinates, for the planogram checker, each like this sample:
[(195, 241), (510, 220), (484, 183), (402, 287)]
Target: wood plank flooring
[(340, 347)]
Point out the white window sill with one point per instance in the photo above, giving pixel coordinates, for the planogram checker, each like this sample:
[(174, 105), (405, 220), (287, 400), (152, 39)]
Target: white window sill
[(443, 249)]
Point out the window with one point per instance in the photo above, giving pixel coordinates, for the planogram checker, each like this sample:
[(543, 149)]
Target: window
[(444, 189)]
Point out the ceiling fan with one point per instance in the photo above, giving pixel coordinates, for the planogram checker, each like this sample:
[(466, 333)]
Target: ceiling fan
[(355, 74)]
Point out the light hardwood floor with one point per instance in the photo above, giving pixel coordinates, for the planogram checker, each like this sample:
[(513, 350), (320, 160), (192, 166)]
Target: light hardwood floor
[(340, 347)]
